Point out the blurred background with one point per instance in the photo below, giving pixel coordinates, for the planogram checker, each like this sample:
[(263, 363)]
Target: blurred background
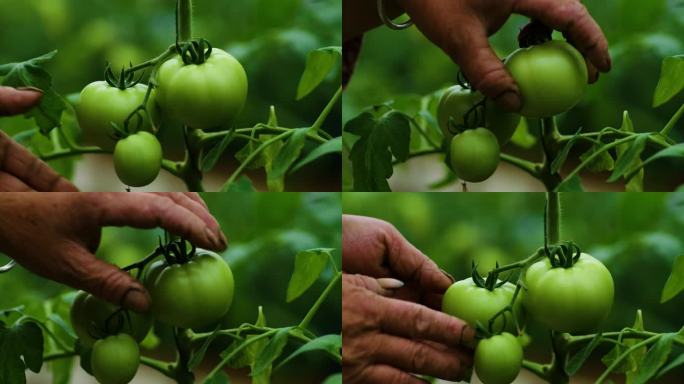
[(637, 236), (400, 65), (271, 38), (265, 231)]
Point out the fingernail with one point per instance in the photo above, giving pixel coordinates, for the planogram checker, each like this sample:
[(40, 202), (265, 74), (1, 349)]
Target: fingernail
[(213, 239), (468, 337), (448, 275), (509, 101), (136, 300), (389, 283), (30, 89)]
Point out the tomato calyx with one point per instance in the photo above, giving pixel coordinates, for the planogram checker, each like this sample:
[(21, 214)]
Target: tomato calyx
[(563, 255), (534, 33), (113, 325), (195, 51), (491, 282), (124, 81)]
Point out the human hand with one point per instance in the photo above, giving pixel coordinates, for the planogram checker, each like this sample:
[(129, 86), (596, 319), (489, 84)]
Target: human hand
[(55, 235), (17, 101), (461, 29), (386, 340), (375, 248)]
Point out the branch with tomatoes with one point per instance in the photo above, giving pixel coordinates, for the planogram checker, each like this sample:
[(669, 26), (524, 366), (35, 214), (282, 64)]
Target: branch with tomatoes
[(471, 131), (193, 88), (568, 292)]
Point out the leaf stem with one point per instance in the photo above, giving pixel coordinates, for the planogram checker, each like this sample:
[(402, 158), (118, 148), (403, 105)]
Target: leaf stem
[(324, 295), (326, 111)]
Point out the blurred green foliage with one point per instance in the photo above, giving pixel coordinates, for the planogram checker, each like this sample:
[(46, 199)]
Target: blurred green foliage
[(395, 65), (265, 231), (637, 236)]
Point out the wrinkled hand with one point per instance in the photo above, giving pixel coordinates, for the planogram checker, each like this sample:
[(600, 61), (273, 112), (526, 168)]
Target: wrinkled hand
[(386, 340), (461, 29), (390, 333), (55, 235)]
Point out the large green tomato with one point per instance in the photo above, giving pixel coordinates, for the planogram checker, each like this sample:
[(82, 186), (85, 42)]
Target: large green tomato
[(473, 304), (195, 294), (115, 359), (475, 155), (455, 103), (89, 315), (575, 299), (498, 359), (206, 96), (101, 105), (138, 159), (552, 78)]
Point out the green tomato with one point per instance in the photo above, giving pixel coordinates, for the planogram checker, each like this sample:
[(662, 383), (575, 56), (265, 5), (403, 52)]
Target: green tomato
[(575, 299), (138, 159), (475, 155), (473, 304), (191, 295), (115, 359), (552, 78), (89, 318), (100, 105), (206, 96), (503, 124), (498, 359)]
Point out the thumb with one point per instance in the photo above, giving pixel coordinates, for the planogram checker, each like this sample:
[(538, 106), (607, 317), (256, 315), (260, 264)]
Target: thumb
[(104, 280), (484, 70), (14, 102)]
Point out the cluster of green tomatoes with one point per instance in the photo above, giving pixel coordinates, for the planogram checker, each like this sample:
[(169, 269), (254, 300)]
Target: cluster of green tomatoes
[(574, 299), (207, 95), (552, 78), (192, 294)]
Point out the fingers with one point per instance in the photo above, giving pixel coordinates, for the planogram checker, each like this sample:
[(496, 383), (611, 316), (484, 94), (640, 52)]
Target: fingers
[(196, 205), (422, 358), (24, 166), (383, 374), (572, 18), (484, 70), (82, 270), (9, 183), (416, 321), (15, 102), (366, 282), (143, 210)]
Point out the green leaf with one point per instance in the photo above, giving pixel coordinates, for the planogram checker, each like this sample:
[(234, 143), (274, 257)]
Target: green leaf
[(31, 73), (673, 151), (630, 159), (334, 379), (198, 354), (655, 358), (671, 80), (636, 183), (675, 282), (271, 351), (242, 184), (563, 155), (331, 343), (522, 136), (575, 363), (214, 154), (380, 140), (288, 155), (318, 65), (308, 266), (218, 378), (22, 348), (330, 146), (678, 361), (602, 162), (572, 184)]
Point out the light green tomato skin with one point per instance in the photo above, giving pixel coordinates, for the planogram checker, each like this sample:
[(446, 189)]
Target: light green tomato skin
[(100, 105), (471, 303), (138, 159), (503, 124), (89, 312), (552, 78), (115, 360), (498, 359), (191, 295), (573, 300), (475, 155), (207, 96), (455, 103)]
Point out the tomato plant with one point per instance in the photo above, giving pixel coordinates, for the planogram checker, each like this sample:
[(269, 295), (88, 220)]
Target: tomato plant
[(138, 159), (208, 95), (194, 293), (498, 359), (552, 78), (575, 298), (115, 359), (102, 104), (474, 155), (92, 318), (475, 304)]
